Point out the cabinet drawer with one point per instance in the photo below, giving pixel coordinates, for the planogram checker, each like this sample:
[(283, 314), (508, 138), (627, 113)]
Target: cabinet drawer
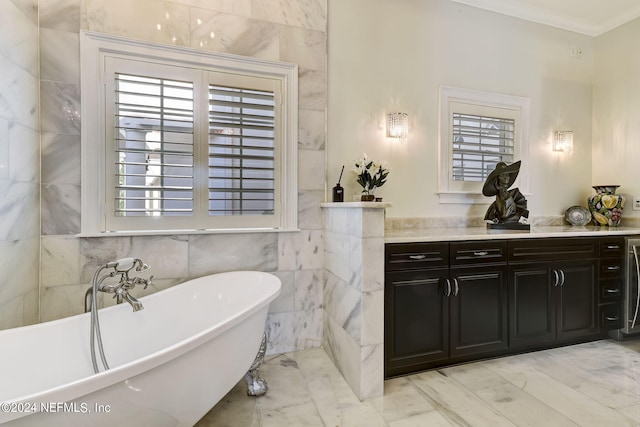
[(610, 268), (612, 247), (610, 316), (611, 289), (404, 256), (552, 249), (478, 252)]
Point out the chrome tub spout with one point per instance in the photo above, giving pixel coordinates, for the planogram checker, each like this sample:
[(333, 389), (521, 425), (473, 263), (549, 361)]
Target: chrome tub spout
[(126, 296)]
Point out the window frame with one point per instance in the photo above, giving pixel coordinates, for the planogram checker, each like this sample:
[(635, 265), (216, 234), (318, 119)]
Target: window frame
[(95, 48), (459, 100)]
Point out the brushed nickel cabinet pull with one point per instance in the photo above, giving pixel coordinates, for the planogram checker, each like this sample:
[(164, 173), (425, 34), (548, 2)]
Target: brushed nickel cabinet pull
[(613, 267), (480, 253), (417, 257)]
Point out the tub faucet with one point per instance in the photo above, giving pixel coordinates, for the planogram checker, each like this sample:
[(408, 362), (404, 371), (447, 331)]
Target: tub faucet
[(120, 290), (123, 294)]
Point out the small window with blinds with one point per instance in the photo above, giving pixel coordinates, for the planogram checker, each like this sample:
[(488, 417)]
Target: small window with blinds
[(182, 141), (479, 144), (477, 130)]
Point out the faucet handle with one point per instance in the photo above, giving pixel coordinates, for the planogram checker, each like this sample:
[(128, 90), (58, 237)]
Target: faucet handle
[(147, 282)]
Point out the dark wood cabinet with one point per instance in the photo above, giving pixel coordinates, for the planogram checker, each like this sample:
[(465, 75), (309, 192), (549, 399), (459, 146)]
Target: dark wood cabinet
[(416, 319), (552, 291), (531, 304), (436, 310), (478, 310), (611, 283), (449, 302)]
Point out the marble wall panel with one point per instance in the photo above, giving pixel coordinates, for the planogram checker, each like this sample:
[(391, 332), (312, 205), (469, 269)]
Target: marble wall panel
[(12, 312), (60, 209), (312, 90), (311, 127), (18, 267), (60, 259), (354, 297), (286, 300), (61, 15), (19, 210), (60, 103), (310, 14), (217, 253), (29, 8), (294, 330), (150, 20), (60, 56), (19, 43), (300, 250), (343, 304), (60, 159), (304, 47), (4, 149), (19, 164), (309, 211), (310, 177), (24, 154), (222, 32), (308, 294), (166, 255), (18, 94)]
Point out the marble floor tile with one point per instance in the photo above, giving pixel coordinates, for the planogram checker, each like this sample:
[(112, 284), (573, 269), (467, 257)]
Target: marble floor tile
[(588, 385)]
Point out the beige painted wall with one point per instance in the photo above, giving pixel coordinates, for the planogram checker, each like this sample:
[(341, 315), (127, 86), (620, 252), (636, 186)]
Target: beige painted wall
[(397, 58), (616, 113)]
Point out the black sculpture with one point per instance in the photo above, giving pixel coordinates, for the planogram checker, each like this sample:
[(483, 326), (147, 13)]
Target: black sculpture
[(509, 210)]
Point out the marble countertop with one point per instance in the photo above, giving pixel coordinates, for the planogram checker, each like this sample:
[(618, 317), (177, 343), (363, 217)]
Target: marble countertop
[(482, 233)]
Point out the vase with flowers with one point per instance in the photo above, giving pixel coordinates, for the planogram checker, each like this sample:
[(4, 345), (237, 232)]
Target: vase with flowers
[(370, 175)]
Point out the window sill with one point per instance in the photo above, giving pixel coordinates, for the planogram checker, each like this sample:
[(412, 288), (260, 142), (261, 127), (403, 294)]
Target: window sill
[(463, 198), (184, 232)]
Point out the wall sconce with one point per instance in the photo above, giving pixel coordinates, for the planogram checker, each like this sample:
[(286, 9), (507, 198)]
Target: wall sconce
[(398, 126), (563, 141)]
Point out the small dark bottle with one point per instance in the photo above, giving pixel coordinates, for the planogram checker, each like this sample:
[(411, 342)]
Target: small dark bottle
[(338, 193)]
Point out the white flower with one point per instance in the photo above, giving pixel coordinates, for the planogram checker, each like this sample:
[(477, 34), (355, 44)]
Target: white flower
[(370, 174)]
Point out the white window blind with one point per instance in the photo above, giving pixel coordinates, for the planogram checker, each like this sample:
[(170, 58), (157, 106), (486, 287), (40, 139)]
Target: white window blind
[(242, 151), (154, 146), (479, 143)]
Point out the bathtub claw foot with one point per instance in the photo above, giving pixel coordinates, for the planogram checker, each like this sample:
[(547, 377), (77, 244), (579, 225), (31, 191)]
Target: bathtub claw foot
[(256, 385)]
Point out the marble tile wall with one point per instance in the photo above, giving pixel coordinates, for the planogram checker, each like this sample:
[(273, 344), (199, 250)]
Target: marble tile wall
[(354, 294), (19, 163), (287, 30)]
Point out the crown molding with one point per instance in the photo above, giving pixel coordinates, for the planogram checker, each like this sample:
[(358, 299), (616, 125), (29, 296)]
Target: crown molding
[(549, 17)]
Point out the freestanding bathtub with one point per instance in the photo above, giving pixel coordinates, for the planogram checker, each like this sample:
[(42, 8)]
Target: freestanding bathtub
[(170, 363)]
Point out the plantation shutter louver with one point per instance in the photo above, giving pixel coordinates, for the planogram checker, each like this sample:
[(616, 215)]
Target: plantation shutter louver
[(242, 152), (154, 146), (479, 143), (193, 146)]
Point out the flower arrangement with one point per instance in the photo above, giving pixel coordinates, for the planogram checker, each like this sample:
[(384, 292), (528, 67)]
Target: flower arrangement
[(370, 174)]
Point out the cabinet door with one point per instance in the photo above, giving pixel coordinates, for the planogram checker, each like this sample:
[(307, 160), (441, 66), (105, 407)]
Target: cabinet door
[(577, 302), (478, 310), (532, 311), (416, 319)]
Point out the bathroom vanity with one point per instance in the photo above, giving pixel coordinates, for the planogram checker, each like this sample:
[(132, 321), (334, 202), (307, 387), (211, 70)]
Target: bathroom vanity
[(471, 297)]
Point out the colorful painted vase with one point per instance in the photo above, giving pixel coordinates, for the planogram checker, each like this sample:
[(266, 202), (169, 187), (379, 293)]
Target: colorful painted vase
[(606, 206)]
